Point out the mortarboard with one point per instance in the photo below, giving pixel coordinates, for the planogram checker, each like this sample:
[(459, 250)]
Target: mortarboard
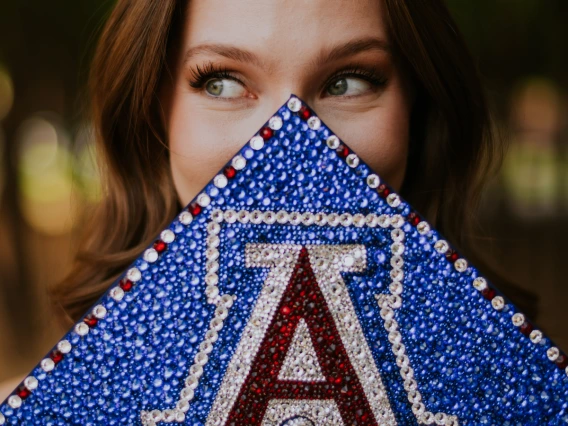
[(298, 289)]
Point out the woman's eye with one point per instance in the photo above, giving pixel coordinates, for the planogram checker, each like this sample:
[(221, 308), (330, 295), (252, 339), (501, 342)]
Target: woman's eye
[(224, 88), (348, 86)]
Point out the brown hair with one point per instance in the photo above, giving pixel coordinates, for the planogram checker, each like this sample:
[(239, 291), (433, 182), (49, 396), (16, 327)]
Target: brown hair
[(451, 147)]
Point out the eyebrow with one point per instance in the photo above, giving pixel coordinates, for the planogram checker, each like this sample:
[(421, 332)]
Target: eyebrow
[(350, 48)]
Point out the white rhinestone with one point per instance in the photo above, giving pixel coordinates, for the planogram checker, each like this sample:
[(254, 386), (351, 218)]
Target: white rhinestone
[(15, 401), (256, 142), (396, 274), (167, 236), (191, 382), (211, 291), (2, 419), (216, 324), (157, 415), (206, 347), (269, 217), (182, 405), (217, 215), (373, 181), (320, 219), (64, 346), (536, 336), (397, 221), (201, 358), (396, 288), (213, 228), (397, 235), (294, 104), (150, 255), (384, 221), (314, 123), (211, 335), (498, 303), (82, 329), (441, 246), (196, 370), (31, 383), (553, 353), (396, 262), (213, 241), (440, 419), (99, 311), (333, 142), (47, 364), (256, 217), (230, 216), (518, 319), (180, 416), (359, 220), (566, 371), (227, 300), (371, 220), (348, 260), (275, 122), (397, 249), (346, 219), (134, 274), (185, 218), (282, 217), (243, 216), (480, 283), (187, 393), (352, 160), (295, 218), (221, 312), (239, 162), (460, 265), (220, 181), (203, 200), (307, 218), (423, 228), (393, 200), (117, 293), (333, 219)]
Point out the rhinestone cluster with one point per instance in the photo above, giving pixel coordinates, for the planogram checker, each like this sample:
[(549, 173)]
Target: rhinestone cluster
[(454, 346)]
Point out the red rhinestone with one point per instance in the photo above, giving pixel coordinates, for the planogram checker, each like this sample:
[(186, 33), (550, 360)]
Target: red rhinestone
[(160, 246), (383, 190), (526, 328), (194, 209), (126, 284), (56, 356), (90, 320), (266, 133), (23, 392), (488, 293), (229, 172), (342, 151), (286, 310), (304, 112), (414, 219), (452, 255), (562, 361)]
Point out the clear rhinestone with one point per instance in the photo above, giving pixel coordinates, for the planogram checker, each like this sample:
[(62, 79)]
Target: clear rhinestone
[(275, 122), (182, 405), (47, 364), (282, 217), (82, 329), (396, 274), (227, 300), (553, 353), (203, 200), (239, 162), (117, 293), (257, 142), (397, 221), (243, 216), (373, 181), (397, 235), (480, 283), (201, 358), (64, 346), (359, 220), (220, 181), (314, 123), (352, 160), (460, 265), (518, 319), (498, 303), (31, 383), (185, 218), (393, 200), (384, 221), (423, 228), (134, 275), (230, 216), (346, 219), (536, 336), (307, 218), (256, 217), (396, 288), (441, 246), (191, 382), (213, 228), (294, 104), (188, 393), (269, 217), (217, 215), (333, 219), (15, 401), (372, 220), (397, 249), (211, 291), (167, 236), (295, 218), (320, 219), (333, 142), (150, 255)]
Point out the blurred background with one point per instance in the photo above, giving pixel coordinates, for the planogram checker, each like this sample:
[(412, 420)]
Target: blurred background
[(48, 177)]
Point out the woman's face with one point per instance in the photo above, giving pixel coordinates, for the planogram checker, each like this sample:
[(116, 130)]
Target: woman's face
[(240, 60)]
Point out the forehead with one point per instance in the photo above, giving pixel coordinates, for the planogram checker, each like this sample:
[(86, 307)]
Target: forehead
[(279, 30)]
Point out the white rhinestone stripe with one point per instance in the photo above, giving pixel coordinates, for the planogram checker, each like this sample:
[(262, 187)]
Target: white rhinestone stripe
[(323, 412), (177, 414), (389, 303)]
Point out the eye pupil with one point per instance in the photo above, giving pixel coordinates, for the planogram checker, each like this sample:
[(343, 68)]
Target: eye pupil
[(339, 87), (214, 87)]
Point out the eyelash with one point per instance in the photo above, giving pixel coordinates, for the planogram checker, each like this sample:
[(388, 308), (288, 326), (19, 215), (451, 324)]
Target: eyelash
[(200, 76)]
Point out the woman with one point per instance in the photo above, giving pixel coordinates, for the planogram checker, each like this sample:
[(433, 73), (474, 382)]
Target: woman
[(177, 87)]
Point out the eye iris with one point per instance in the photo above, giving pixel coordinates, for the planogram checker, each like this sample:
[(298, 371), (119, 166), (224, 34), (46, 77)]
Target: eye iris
[(339, 87), (214, 87)]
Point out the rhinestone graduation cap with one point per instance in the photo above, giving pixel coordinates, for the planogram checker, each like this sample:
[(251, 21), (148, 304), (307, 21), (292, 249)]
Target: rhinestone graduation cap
[(298, 289)]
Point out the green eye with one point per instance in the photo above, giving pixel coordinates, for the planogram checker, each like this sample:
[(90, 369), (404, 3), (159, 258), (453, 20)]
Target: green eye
[(338, 88), (214, 87)]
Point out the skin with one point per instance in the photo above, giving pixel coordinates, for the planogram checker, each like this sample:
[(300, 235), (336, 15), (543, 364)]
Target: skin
[(207, 125)]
